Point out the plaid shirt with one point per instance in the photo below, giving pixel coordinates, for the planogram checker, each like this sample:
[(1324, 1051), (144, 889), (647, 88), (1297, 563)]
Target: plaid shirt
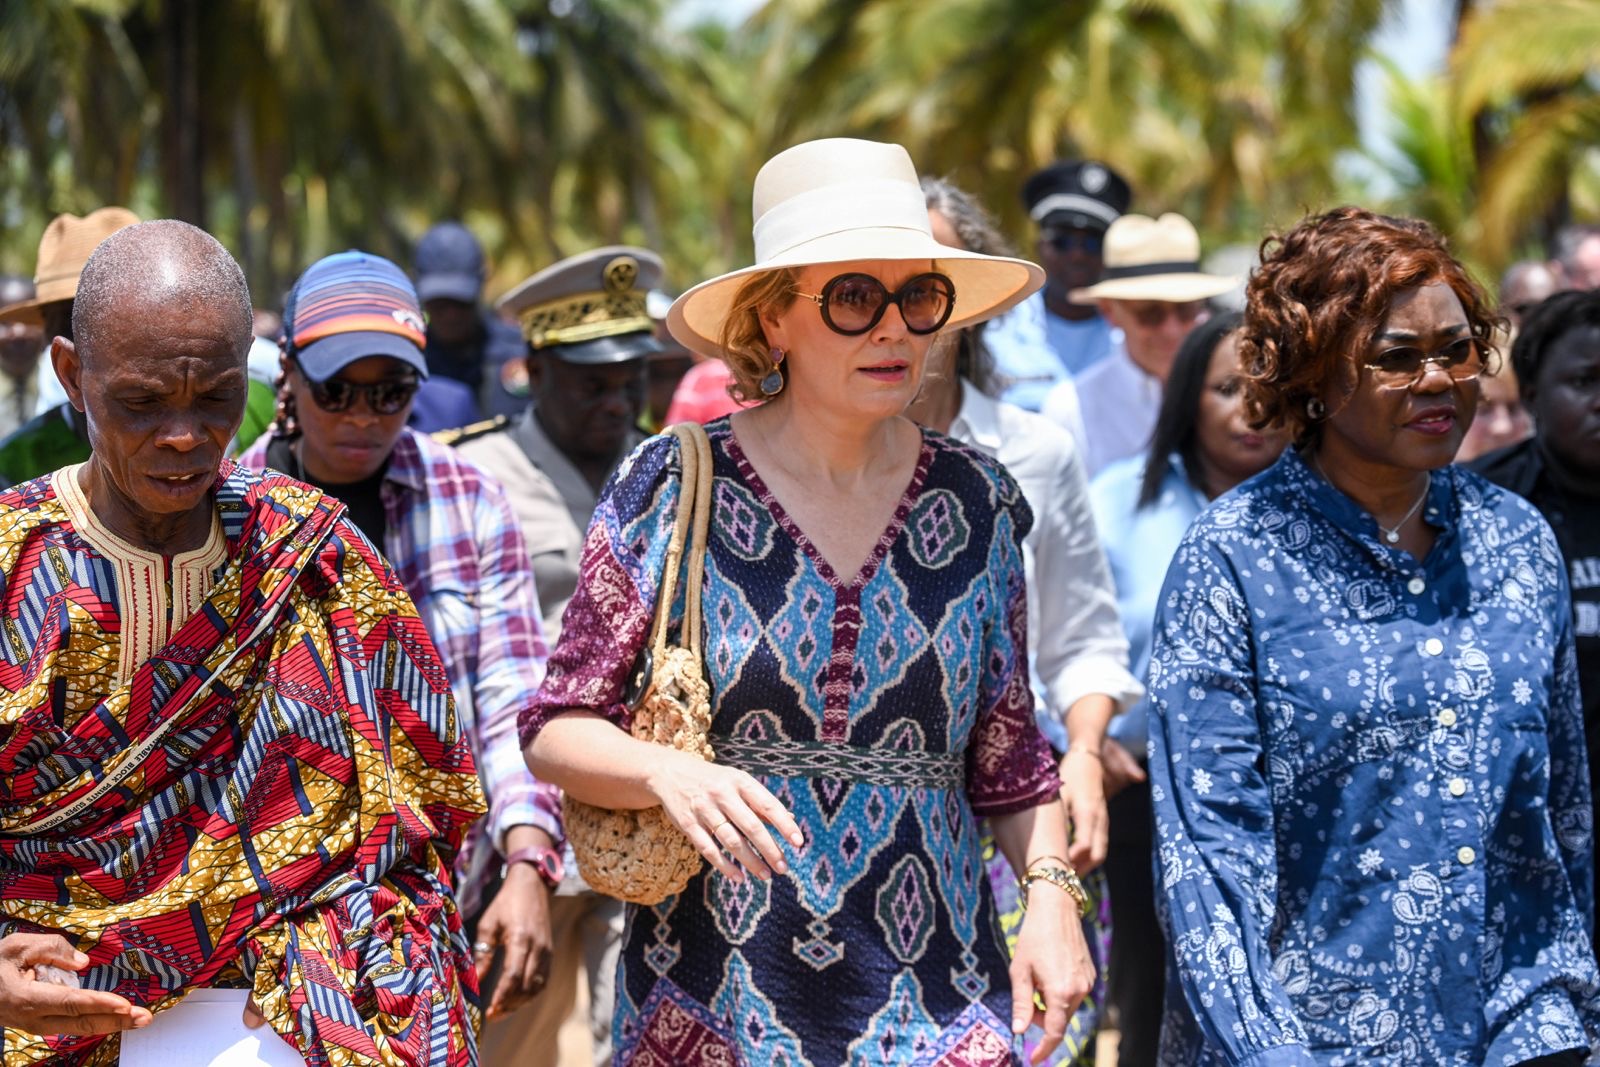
[(454, 542)]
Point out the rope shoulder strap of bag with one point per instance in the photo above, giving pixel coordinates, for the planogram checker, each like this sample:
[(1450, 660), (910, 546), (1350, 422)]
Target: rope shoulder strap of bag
[(689, 533), (640, 855)]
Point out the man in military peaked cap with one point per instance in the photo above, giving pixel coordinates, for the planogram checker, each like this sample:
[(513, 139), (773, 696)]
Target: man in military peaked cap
[(589, 333), (1050, 338)]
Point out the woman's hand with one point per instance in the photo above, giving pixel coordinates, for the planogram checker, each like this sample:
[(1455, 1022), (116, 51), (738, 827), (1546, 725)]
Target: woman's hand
[(1051, 960), (725, 813), (1083, 794), (37, 1006)]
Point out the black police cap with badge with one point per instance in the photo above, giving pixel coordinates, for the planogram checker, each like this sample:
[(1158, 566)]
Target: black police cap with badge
[(1077, 194)]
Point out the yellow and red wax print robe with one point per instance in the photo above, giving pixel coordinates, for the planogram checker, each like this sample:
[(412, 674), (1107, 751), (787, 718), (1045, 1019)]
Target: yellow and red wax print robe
[(298, 783)]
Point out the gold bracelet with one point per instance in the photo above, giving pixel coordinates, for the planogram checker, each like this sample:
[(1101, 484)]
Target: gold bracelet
[(1092, 753), (1063, 878)]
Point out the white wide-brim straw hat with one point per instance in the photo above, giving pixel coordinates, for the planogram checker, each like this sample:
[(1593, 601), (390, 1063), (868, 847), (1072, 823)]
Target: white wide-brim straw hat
[(836, 201), (1153, 259)]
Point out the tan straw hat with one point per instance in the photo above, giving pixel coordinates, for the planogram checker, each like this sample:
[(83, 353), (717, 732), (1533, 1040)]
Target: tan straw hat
[(63, 250), (838, 200), (1153, 259)]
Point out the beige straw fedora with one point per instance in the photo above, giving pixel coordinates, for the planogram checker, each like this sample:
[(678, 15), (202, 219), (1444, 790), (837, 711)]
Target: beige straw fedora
[(1153, 259), (838, 200), (63, 250)]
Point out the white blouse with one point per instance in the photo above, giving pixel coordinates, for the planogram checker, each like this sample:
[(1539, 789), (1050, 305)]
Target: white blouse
[(1075, 637)]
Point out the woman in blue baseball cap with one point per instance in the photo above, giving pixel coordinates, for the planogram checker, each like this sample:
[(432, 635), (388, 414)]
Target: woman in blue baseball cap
[(352, 364)]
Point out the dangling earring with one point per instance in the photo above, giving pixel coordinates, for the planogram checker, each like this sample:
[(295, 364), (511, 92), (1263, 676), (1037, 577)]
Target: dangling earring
[(772, 384), (1316, 410)]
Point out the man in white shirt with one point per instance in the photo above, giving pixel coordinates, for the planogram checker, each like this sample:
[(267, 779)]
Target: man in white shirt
[(1153, 291)]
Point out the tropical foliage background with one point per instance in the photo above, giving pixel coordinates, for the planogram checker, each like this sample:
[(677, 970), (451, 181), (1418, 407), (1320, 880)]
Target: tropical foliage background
[(291, 128)]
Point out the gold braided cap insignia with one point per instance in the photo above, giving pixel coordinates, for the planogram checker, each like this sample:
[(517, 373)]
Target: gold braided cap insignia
[(618, 308)]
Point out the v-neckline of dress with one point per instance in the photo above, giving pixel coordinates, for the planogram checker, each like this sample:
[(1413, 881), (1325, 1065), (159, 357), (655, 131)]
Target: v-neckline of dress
[(780, 515)]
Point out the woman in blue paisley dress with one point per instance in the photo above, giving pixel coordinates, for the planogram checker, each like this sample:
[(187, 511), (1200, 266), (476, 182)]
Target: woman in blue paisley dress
[(1367, 754), (866, 644)]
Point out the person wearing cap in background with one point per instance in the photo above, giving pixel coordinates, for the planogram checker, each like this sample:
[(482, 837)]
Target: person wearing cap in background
[(57, 435), (589, 335), (466, 342), (21, 345), (351, 363), (1153, 291), (228, 756), (1049, 338)]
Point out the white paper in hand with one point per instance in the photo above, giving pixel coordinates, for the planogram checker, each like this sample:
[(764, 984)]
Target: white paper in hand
[(207, 1030)]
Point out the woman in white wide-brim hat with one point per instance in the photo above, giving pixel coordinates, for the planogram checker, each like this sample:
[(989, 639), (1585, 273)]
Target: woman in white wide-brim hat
[(866, 643)]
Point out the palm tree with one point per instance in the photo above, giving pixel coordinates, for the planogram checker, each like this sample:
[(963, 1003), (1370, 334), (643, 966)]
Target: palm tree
[(1234, 111), (1433, 167), (1525, 70), (72, 92), (287, 127)]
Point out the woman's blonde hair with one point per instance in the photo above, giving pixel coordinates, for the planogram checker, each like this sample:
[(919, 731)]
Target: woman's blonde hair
[(743, 342)]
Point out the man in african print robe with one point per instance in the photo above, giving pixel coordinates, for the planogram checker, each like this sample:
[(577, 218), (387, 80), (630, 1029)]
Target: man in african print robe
[(228, 755)]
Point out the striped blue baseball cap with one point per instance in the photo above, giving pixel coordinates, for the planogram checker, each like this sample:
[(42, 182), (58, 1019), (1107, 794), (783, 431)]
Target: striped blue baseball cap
[(349, 306)]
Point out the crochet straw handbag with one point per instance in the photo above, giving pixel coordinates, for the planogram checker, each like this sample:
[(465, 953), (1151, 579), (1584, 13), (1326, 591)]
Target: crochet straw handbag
[(641, 856)]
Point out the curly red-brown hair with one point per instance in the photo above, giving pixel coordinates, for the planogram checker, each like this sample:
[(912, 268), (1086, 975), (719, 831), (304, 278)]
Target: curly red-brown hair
[(1322, 294)]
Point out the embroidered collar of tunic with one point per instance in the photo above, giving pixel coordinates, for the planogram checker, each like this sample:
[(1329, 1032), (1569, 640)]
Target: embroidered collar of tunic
[(152, 605)]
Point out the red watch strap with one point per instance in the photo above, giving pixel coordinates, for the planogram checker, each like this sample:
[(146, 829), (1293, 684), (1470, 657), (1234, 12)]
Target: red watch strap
[(547, 861)]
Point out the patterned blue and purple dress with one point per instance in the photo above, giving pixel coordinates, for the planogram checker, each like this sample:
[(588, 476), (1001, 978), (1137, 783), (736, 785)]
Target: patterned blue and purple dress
[(886, 712)]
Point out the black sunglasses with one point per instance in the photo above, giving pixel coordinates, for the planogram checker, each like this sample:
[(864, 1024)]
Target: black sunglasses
[(384, 398), (852, 304), (1084, 240)]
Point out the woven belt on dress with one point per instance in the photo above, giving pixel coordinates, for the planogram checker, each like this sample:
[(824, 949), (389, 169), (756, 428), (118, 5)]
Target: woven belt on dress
[(819, 759)]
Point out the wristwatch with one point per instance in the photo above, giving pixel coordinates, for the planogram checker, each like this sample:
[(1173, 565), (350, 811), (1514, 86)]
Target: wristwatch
[(1063, 878), (546, 861)]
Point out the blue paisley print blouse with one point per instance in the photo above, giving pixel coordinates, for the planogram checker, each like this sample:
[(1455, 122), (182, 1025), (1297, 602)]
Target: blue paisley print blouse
[(1370, 785)]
